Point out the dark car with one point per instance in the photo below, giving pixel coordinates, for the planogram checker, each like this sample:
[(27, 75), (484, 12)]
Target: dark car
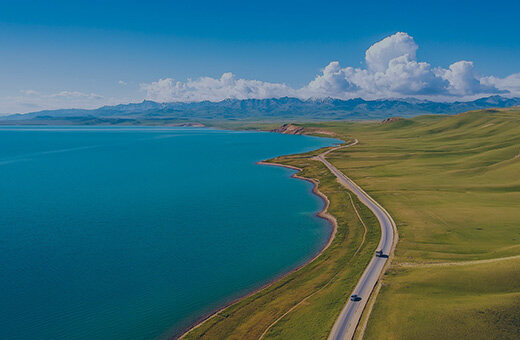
[(380, 253), (355, 297)]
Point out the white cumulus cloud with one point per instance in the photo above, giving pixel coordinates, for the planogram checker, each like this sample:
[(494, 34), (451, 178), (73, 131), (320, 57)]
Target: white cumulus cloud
[(333, 82), (214, 89), (509, 84), (379, 55), (392, 71), (464, 81)]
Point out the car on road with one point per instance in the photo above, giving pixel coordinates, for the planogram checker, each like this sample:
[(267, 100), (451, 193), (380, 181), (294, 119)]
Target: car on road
[(379, 253), (355, 297)]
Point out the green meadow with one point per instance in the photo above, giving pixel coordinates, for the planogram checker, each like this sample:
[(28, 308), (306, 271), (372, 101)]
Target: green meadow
[(452, 184)]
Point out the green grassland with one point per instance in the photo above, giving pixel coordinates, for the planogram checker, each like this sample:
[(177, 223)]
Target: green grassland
[(452, 184), (305, 304)]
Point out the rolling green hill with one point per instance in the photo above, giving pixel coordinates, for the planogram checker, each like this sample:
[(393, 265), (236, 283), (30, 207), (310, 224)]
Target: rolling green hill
[(452, 183)]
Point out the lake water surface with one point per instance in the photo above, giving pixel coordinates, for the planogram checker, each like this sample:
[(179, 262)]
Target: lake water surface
[(133, 233)]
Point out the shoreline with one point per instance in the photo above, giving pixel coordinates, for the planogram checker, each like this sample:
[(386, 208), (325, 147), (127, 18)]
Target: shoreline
[(323, 213)]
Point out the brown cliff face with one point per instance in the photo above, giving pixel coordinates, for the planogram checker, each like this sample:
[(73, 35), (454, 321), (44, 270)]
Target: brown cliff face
[(289, 129)]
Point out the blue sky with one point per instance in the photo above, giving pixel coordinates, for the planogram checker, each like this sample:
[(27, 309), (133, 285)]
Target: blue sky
[(89, 53)]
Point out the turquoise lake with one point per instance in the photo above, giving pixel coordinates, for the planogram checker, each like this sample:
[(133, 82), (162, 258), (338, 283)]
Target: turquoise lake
[(134, 233)]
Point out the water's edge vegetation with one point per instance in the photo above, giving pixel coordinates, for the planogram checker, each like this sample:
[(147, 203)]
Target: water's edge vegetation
[(323, 213), (306, 302)]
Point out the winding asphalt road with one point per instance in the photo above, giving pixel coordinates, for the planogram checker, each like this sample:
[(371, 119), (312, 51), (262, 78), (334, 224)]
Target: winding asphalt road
[(348, 320)]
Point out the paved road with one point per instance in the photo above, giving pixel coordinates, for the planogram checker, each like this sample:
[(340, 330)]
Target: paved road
[(348, 320)]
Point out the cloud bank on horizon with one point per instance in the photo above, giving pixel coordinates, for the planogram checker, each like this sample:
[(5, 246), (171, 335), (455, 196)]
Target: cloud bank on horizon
[(30, 100), (392, 71)]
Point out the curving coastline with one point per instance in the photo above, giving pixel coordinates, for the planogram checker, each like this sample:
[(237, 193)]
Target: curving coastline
[(323, 213)]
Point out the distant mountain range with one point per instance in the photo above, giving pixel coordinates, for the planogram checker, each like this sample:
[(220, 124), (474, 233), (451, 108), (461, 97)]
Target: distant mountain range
[(280, 109)]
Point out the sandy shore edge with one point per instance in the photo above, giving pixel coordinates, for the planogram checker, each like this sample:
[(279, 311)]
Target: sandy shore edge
[(323, 213)]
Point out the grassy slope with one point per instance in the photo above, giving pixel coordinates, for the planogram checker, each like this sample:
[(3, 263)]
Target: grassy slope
[(453, 186), (329, 278)]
